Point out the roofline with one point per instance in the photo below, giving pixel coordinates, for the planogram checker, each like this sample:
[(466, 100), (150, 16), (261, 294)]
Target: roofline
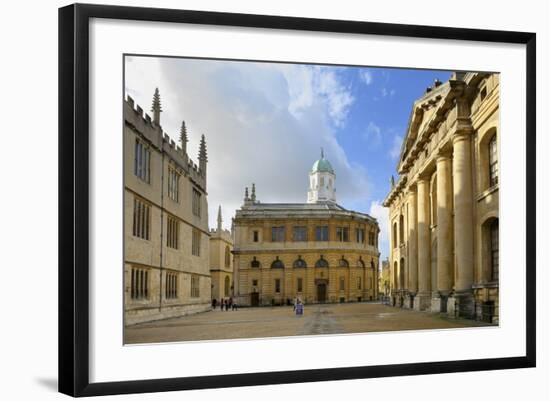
[(251, 212)]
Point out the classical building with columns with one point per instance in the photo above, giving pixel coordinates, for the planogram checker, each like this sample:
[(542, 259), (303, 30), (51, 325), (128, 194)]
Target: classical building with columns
[(166, 252), (316, 251), (221, 260), (444, 205)]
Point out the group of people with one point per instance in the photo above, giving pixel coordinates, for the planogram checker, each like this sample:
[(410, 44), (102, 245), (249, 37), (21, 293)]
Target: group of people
[(224, 304), (227, 303)]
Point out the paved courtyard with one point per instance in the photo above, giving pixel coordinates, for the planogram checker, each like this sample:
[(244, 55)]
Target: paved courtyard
[(281, 321)]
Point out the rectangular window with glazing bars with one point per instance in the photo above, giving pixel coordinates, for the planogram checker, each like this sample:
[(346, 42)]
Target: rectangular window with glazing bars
[(196, 243), (139, 284), (172, 227), (321, 233), (278, 234), (196, 203), (141, 226), (171, 290), (342, 234), (195, 286), (142, 161), (300, 233), (173, 184)]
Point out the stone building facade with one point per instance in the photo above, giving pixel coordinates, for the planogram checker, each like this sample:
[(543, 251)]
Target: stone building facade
[(316, 251), (166, 252), (221, 261), (384, 281), (444, 206)]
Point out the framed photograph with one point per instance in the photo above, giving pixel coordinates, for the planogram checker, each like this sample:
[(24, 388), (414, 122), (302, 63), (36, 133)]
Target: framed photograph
[(253, 199)]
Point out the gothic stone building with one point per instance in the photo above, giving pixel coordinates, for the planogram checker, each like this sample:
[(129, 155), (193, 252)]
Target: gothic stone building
[(315, 251), (444, 206), (166, 267), (221, 261)]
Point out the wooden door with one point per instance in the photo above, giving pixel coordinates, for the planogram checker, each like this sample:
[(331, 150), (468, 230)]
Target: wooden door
[(255, 299), (321, 293)]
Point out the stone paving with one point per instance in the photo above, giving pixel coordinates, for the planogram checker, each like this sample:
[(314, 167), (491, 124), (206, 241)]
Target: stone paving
[(281, 321)]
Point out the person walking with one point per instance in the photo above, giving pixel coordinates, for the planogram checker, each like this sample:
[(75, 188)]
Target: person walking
[(299, 307), (214, 302)]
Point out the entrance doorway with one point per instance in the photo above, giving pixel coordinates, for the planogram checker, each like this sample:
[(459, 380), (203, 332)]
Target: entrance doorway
[(255, 299), (321, 293)]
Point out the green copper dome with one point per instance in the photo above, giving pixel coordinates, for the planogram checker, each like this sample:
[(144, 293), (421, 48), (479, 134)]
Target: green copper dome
[(322, 165)]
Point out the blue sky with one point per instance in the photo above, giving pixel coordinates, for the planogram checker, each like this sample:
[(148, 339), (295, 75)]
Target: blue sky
[(378, 118), (266, 122)]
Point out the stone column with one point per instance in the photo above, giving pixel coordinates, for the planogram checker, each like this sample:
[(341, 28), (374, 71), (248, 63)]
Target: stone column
[(444, 233), (463, 231), (393, 284), (423, 298), (412, 240), (401, 282)]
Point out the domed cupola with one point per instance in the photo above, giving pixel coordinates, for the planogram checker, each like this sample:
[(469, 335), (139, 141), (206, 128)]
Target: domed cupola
[(322, 165), (322, 182)]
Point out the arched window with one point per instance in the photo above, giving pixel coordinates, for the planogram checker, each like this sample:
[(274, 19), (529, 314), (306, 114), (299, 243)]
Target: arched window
[(299, 262), (227, 256), (493, 161), (395, 235), (360, 263), (227, 285), (277, 264), (321, 262), (401, 229), (343, 262), (372, 265), (254, 263), (494, 249), (395, 282)]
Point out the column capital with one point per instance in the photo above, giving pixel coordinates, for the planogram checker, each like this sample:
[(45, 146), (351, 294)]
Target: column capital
[(462, 135), (442, 157), (422, 179)]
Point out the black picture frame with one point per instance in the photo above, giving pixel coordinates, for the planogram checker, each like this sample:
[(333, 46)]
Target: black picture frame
[(74, 198)]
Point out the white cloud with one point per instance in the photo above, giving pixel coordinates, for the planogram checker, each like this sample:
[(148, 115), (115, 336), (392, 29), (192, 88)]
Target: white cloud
[(373, 134), (395, 149), (365, 76), (264, 123), (338, 96), (308, 85), (378, 211), (387, 92)]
